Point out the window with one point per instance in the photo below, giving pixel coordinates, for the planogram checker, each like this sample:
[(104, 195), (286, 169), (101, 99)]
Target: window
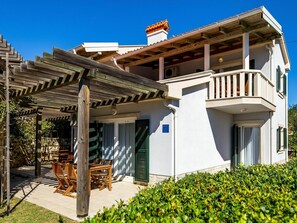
[(281, 136), (281, 81)]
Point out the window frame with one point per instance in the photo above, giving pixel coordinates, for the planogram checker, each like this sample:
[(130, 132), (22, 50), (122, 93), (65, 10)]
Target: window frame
[(281, 82), (281, 139)]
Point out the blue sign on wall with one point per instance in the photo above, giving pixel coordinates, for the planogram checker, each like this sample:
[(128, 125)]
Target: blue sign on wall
[(165, 128)]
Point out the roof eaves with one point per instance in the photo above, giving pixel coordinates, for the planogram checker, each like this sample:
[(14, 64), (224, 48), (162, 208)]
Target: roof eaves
[(285, 52), (199, 30)]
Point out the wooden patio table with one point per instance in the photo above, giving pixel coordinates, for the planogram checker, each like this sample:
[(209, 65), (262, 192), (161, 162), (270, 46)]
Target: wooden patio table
[(96, 167)]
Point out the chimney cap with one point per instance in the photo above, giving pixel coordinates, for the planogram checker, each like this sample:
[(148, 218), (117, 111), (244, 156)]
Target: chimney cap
[(162, 25)]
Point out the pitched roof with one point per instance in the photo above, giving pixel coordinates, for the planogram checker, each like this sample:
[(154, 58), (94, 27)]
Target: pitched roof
[(223, 36)]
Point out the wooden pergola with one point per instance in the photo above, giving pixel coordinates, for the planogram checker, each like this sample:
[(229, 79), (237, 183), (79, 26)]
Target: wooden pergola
[(8, 56), (62, 83)]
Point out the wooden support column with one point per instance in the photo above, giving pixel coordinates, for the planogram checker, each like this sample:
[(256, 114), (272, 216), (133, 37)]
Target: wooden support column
[(206, 57), (127, 69), (161, 68), (38, 142), (245, 51), (83, 116), (7, 134)]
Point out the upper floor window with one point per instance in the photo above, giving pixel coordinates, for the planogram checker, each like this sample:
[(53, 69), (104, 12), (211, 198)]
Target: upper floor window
[(282, 142), (281, 82)]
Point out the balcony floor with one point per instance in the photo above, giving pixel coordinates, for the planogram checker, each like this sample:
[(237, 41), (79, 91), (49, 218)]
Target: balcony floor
[(239, 105)]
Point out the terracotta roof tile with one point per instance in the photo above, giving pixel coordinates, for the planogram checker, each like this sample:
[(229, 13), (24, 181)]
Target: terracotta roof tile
[(158, 26)]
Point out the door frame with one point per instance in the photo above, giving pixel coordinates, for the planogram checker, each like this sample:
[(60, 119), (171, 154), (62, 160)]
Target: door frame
[(256, 124), (116, 120)]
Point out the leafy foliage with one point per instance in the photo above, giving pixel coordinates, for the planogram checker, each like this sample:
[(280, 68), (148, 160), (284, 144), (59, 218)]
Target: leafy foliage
[(22, 132), (292, 114), (247, 194)]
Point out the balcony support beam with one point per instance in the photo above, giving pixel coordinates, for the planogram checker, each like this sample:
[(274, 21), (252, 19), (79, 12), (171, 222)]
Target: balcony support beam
[(245, 51), (206, 57), (161, 68)]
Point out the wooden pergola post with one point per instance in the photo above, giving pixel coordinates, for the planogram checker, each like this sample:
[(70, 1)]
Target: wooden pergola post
[(83, 116), (38, 142), (7, 133)]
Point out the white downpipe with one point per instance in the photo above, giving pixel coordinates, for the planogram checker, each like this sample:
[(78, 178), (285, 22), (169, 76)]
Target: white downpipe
[(173, 110), (270, 117), (286, 125), (116, 64), (270, 50)]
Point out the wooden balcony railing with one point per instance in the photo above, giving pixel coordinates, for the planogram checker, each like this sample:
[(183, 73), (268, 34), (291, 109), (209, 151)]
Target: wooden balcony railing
[(241, 83)]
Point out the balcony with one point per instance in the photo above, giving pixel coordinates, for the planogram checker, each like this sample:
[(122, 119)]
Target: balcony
[(241, 91)]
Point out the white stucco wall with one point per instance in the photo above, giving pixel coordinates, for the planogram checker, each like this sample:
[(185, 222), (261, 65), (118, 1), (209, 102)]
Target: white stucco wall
[(204, 136), (281, 113), (261, 57), (160, 153)]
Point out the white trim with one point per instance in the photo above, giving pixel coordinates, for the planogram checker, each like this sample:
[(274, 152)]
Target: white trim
[(271, 20), (250, 123), (124, 118), (187, 77)]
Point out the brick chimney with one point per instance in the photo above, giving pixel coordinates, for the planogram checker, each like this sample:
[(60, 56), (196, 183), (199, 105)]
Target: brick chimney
[(157, 32)]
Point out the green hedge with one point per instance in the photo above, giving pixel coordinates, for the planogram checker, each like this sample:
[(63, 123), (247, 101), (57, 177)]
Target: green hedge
[(253, 194)]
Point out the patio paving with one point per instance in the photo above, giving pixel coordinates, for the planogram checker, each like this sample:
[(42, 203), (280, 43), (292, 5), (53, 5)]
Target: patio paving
[(40, 192)]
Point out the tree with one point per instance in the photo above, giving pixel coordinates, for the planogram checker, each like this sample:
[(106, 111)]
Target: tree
[(292, 126)]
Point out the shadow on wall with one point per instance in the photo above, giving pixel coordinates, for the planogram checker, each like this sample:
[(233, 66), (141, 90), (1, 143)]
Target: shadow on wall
[(221, 127), (160, 112)]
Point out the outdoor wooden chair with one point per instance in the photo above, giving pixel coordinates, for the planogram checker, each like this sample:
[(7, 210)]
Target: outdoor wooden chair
[(63, 183), (101, 177), (72, 179)]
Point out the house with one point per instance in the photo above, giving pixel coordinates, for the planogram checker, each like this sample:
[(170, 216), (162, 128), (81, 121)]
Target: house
[(227, 100)]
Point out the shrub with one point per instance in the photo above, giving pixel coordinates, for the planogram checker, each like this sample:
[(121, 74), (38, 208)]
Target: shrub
[(261, 193)]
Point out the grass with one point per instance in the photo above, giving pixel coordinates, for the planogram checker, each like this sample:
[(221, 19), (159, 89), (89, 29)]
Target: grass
[(27, 212)]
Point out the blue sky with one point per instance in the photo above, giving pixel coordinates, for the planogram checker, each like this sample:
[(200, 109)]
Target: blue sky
[(34, 27)]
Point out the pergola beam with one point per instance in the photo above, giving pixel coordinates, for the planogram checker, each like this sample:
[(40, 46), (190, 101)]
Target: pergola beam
[(106, 70)]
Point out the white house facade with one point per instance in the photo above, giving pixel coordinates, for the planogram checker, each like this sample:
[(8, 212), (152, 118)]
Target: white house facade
[(227, 101)]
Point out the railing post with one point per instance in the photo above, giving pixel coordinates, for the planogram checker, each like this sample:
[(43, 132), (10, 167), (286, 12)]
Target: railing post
[(228, 86), (217, 87), (250, 78), (241, 84), (257, 83), (211, 88), (223, 87), (234, 76)]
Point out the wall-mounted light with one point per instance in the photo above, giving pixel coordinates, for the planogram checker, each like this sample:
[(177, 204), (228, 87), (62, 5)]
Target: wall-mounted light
[(243, 110), (114, 110), (221, 60)]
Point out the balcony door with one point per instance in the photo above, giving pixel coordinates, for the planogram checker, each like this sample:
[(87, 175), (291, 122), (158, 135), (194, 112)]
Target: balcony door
[(249, 153), (246, 145)]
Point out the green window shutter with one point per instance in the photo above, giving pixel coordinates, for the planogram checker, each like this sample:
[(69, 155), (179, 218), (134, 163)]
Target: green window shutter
[(285, 138), (142, 134), (278, 139), (278, 78), (285, 85), (235, 144)]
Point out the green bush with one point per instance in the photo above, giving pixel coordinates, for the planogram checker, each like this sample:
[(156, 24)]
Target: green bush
[(261, 193)]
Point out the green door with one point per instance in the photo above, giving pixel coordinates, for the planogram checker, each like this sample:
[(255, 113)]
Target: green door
[(142, 150)]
